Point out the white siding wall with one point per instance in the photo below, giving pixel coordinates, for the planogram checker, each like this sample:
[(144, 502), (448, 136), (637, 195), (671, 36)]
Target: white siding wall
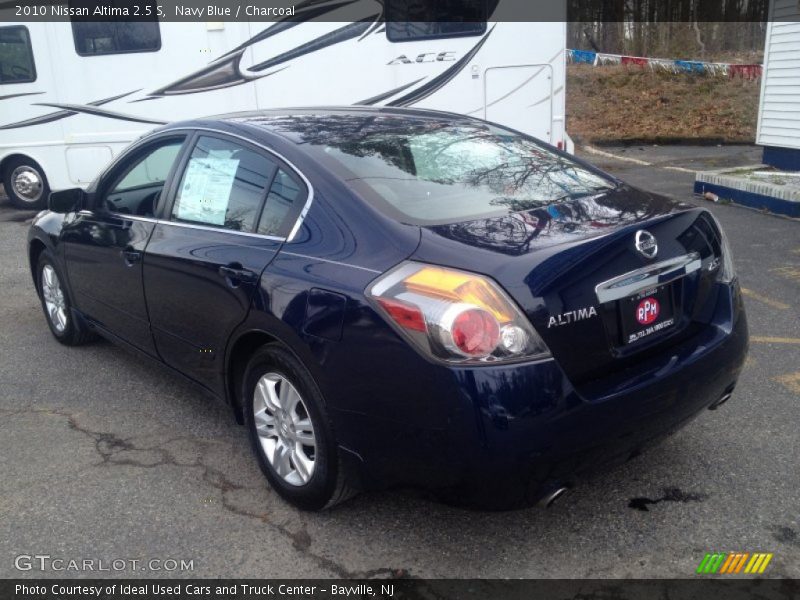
[(779, 112)]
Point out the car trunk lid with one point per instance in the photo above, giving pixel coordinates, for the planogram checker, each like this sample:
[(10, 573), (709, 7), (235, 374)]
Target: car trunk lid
[(575, 270)]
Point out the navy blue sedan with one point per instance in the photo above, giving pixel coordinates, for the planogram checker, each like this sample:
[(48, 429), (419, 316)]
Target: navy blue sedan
[(401, 297)]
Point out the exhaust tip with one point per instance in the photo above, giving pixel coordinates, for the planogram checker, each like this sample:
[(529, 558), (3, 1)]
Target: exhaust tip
[(722, 400), (550, 498)]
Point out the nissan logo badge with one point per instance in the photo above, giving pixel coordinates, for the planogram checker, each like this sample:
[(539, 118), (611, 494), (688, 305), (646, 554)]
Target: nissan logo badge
[(646, 243)]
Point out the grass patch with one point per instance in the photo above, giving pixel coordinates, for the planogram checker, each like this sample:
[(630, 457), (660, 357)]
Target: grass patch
[(631, 104)]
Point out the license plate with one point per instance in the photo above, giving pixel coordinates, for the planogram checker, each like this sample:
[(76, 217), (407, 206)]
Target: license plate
[(646, 314)]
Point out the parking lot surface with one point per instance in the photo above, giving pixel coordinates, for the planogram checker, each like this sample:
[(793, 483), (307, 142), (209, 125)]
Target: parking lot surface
[(105, 456)]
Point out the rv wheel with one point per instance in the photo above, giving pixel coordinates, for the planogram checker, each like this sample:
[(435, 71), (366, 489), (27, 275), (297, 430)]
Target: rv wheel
[(26, 184)]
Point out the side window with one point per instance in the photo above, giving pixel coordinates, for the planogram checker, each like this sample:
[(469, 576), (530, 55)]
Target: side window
[(410, 21), (284, 196), (93, 38), (137, 190), (224, 185), (152, 169), (16, 55)]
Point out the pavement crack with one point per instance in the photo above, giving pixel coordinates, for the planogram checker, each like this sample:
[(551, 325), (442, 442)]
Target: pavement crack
[(115, 450)]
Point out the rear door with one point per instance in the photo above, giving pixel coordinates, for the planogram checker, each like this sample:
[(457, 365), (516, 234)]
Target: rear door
[(232, 207)]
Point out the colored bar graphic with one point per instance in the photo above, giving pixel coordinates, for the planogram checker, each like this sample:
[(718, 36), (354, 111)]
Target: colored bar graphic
[(701, 568), (730, 563), (742, 561), (711, 563), (703, 563), (764, 564), (754, 563), (733, 562), (717, 563), (758, 563)]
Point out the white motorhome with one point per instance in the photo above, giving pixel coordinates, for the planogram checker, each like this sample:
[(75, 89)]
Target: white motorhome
[(74, 94)]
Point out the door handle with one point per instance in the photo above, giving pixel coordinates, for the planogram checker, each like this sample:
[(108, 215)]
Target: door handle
[(236, 272), (131, 256)]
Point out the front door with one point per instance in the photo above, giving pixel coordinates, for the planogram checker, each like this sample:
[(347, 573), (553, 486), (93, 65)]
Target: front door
[(104, 244), (232, 206)]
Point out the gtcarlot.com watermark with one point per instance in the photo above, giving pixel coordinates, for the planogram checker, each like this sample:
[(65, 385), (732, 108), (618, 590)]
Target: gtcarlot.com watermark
[(46, 562)]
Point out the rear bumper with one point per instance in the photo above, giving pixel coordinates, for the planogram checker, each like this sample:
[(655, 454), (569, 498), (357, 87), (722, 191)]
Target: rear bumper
[(515, 430)]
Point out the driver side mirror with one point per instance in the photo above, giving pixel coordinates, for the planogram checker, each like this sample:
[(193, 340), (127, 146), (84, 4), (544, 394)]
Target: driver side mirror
[(67, 201)]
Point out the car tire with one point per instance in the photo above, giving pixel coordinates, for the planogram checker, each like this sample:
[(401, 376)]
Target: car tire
[(283, 408), (26, 184), (56, 304)]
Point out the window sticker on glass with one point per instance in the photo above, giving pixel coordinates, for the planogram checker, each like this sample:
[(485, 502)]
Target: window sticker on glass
[(207, 189)]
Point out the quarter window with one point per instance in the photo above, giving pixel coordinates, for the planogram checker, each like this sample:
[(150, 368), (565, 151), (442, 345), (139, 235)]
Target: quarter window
[(16, 55), (410, 21), (94, 38), (223, 184), (284, 196)]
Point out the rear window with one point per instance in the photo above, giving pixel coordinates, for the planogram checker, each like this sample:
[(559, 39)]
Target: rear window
[(434, 173)]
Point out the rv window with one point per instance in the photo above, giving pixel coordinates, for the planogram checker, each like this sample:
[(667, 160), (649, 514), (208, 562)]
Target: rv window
[(409, 21), (118, 37), (223, 185), (16, 55)]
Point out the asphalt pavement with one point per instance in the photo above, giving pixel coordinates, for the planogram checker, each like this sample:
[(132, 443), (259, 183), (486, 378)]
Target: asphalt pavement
[(106, 457)]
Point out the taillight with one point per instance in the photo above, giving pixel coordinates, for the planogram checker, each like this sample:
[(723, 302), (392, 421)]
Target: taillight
[(455, 316), (728, 271), (472, 332)]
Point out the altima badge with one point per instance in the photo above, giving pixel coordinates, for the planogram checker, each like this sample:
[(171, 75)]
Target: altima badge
[(646, 243), (572, 316)]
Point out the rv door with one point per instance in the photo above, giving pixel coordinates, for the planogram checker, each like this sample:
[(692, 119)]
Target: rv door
[(520, 97)]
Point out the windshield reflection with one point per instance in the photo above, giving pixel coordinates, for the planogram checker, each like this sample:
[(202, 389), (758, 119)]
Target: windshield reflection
[(521, 232)]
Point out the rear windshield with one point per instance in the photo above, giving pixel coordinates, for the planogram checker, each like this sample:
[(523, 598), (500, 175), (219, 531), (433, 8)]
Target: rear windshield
[(436, 172)]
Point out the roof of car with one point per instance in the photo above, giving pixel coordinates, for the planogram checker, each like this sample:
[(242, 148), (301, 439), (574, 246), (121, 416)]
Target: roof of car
[(288, 122), (264, 116)]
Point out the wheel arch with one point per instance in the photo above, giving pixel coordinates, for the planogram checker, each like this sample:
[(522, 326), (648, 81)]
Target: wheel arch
[(35, 249), (236, 362), (39, 243), (244, 345), (10, 158)]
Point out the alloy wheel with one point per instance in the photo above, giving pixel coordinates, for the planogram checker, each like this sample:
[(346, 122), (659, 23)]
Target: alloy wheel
[(54, 299), (284, 428)]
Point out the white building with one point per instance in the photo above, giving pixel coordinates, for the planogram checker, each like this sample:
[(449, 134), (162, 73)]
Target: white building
[(779, 110)]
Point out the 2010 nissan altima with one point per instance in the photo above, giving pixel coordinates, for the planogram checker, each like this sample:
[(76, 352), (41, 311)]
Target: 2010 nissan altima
[(401, 297)]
